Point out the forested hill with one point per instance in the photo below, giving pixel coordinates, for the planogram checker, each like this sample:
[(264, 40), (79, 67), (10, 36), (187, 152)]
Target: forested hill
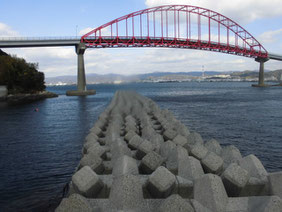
[(20, 76), (3, 53)]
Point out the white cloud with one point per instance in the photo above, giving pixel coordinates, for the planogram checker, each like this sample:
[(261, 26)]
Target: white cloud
[(6, 31), (53, 61), (270, 36), (241, 11)]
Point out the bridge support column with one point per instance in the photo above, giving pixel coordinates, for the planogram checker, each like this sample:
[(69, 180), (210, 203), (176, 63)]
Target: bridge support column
[(261, 72), (81, 80)]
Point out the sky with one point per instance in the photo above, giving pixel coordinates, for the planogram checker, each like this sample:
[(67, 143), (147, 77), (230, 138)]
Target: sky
[(33, 18)]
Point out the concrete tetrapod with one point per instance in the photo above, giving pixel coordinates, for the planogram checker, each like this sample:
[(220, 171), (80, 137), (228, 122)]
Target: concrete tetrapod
[(86, 182), (210, 192), (139, 157), (161, 183)]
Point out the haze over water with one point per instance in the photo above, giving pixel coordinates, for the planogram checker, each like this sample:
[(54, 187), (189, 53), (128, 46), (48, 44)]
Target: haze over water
[(40, 150)]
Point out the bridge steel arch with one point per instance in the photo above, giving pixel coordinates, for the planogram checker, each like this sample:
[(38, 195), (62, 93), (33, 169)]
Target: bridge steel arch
[(177, 26)]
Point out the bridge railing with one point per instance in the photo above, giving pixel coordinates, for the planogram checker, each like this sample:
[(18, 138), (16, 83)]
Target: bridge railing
[(111, 38), (40, 38)]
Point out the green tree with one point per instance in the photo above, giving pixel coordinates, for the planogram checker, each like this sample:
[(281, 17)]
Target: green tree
[(20, 76)]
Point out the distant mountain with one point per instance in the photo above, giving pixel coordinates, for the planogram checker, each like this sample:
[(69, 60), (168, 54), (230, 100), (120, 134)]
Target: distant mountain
[(194, 74), (117, 78), (92, 78), (110, 78), (268, 75)]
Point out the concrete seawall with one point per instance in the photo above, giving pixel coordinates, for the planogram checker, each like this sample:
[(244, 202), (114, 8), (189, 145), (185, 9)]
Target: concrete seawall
[(138, 157), (3, 92)]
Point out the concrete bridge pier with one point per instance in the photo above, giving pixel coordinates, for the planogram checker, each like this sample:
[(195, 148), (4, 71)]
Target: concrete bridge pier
[(261, 72), (81, 80)]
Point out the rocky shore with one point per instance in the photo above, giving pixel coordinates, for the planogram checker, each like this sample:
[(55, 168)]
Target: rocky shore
[(138, 157), (27, 98)]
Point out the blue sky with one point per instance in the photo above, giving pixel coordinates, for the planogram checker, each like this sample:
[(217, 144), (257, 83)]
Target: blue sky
[(31, 18)]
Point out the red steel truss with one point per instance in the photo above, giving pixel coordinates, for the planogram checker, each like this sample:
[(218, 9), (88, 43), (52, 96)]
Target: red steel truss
[(176, 26)]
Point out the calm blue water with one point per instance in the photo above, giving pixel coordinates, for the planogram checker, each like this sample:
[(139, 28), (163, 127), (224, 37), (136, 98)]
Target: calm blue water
[(40, 150)]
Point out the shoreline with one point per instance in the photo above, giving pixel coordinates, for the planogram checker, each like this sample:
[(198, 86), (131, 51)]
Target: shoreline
[(14, 99)]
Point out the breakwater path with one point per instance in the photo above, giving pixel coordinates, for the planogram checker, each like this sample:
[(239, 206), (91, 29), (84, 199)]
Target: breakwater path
[(138, 157)]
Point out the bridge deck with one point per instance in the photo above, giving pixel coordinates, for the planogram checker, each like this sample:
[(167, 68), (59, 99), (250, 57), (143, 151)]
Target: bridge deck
[(275, 56), (38, 42), (20, 42)]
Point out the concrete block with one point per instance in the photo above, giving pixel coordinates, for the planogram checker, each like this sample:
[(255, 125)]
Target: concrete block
[(97, 131), (145, 124), (275, 183), (131, 122), (151, 162), (130, 127), (167, 114), (161, 183), (190, 169), (213, 146), (254, 204), (91, 137), (176, 203), (177, 158), (98, 150), (89, 144), (265, 204), (169, 134), (157, 127), (198, 151), (93, 161), (180, 140), (119, 148), (238, 204), (212, 163), (198, 207), (255, 168), (108, 156), (126, 193), (86, 182), (101, 123), (166, 148), (75, 203), (144, 148), (147, 132), (125, 165), (210, 192), (182, 130), (234, 179), (230, 154), (157, 140), (129, 118), (104, 115), (102, 141), (255, 187), (108, 166), (184, 187), (129, 135), (195, 138), (134, 142)]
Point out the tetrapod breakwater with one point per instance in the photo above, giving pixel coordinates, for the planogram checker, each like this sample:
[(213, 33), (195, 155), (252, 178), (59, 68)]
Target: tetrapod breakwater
[(138, 157)]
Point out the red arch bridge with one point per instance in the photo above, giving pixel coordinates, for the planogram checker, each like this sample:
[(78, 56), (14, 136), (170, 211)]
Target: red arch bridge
[(170, 26)]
